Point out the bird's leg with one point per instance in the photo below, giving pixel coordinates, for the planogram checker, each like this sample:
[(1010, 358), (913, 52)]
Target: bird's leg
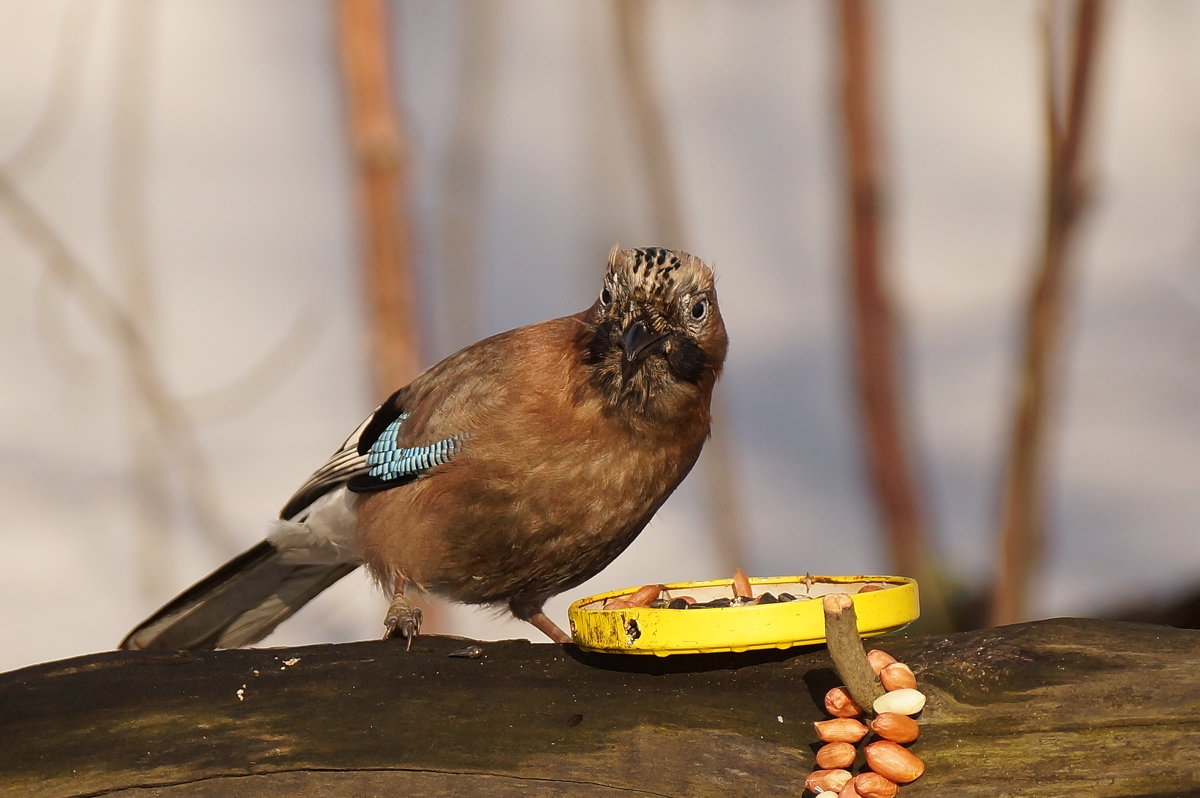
[(531, 611), (548, 627), (402, 618)]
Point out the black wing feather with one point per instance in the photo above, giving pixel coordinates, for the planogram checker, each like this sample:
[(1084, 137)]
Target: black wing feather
[(385, 414), (344, 465)]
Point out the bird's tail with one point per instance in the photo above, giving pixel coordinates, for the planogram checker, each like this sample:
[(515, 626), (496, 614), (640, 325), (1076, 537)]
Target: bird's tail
[(238, 604)]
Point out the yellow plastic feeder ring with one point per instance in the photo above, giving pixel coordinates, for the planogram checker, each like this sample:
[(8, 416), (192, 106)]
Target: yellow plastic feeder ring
[(882, 604)]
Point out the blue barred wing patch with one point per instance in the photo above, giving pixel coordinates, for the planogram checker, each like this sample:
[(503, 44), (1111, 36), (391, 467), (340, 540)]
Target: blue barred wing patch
[(389, 462)]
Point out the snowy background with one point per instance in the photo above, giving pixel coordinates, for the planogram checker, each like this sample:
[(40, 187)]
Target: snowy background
[(242, 211)]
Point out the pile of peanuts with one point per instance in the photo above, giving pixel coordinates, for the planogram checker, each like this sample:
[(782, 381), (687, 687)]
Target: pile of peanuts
[(891, 764)]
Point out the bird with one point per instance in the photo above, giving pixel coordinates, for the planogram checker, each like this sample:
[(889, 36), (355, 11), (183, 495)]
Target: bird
[(509, 472)]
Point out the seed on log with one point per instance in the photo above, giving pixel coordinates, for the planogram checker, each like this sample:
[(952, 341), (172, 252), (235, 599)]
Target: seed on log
[(470, 652)]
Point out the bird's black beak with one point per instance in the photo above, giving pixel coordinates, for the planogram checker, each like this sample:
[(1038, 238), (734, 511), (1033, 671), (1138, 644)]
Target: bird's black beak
[(639, 342)]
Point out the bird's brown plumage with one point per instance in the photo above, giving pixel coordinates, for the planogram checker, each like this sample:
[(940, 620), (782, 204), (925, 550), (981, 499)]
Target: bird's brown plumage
[(561, 469), (559, 442)]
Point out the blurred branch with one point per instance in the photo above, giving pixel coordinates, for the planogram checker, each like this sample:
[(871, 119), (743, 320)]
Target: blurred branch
[(880, 395), (62, 349), (66, 70), (172, 424), (470, 130), (1022, 520), (170, 427), (381, 175), (658, 161), (158, 421), (149, 487), (260, 377), (728, 523)]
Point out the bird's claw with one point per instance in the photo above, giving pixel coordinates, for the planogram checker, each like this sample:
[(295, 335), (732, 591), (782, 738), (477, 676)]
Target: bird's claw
[(402, 620)]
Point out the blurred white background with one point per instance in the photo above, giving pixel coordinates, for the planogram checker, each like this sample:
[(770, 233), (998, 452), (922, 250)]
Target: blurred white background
[(237, 199)]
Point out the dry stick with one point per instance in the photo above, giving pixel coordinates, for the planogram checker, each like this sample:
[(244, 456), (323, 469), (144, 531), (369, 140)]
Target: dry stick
[(846, 649), (658, 164), (381, 172), (880, 395), (1022, 533)]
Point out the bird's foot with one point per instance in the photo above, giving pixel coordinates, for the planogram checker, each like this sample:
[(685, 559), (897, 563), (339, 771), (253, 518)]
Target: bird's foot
[(402, 620)]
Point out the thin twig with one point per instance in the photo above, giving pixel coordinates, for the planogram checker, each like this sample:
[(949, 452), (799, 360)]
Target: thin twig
[(658, 164), (260, 377), (880, 395), (381, 180), (70, 54), (1022, 516), (148, 490), (45, 132), (111, 317)]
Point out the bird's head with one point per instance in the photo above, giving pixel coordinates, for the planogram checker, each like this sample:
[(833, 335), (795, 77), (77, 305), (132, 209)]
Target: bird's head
[(655, 333)]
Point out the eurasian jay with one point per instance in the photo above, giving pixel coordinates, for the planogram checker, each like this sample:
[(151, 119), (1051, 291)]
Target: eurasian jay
[(511, 471)]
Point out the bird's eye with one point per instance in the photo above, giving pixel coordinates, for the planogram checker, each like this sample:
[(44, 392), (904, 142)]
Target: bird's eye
[(699, 309), (605, 298)]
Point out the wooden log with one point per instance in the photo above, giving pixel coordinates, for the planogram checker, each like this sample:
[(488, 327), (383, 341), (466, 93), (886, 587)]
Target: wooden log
[(1062, 707)]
